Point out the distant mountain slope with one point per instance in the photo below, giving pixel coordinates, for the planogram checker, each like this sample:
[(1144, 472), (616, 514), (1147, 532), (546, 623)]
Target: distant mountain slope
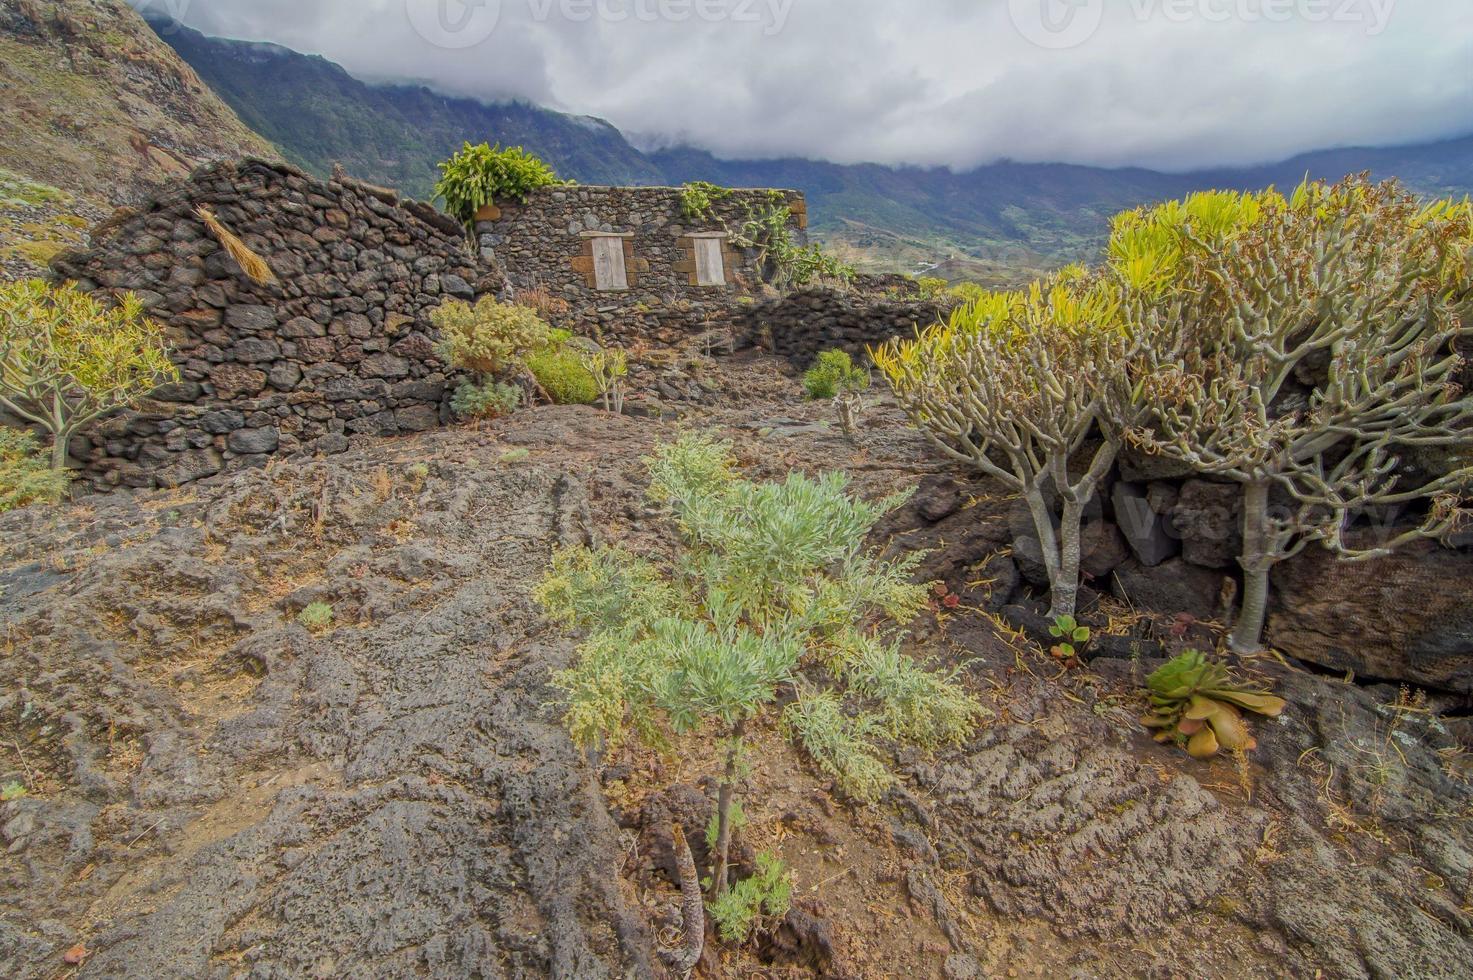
[(391, 134), (1022, 213), (94, 104), (993, 224)]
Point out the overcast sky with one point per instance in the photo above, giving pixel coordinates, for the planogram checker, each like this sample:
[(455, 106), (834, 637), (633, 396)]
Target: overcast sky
[(1170, 84)]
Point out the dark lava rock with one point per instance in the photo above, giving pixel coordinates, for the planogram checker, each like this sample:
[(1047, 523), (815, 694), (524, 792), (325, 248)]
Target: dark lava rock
[(249, 441), (1406, 617), (1172, 587), (396, 797)]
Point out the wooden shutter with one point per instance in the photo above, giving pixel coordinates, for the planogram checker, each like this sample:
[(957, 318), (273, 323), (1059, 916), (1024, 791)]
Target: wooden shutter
[(608, 264), (710, 270)]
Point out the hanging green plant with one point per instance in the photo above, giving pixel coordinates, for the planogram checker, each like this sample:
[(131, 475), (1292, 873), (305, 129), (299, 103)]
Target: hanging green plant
[(480, 175)]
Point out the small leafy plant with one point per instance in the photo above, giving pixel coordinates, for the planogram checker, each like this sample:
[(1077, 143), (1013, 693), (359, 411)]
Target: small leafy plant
[(835, 376), (12, 791), (25, 476), (1071, 635), (481, 174), (698, 198), (492, 400), (1197, 704), (316, 617), (609, 369), (768, 892)]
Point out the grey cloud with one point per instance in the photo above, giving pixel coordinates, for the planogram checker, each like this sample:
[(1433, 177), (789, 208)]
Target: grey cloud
[(1172, 84)]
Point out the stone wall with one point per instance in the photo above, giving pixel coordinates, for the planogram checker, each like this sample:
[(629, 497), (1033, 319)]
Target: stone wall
[(1163, 539), (546, 242), (339, 347), (801, 324)]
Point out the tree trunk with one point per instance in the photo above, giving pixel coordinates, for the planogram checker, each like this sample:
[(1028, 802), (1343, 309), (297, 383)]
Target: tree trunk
[(1043, 525), (722, 857), (1257, 561), (59, 451), (1064, 585)]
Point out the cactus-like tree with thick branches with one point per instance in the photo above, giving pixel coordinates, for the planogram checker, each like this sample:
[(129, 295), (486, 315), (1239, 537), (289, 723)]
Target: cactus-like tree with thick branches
[(1301, 346), (67, 359), (1005, 386)]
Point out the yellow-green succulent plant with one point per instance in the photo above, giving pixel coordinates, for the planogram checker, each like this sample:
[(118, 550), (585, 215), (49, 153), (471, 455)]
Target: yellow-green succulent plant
[(1196, 703)]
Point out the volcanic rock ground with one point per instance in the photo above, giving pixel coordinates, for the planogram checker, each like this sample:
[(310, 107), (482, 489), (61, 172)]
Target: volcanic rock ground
[(214, 791)]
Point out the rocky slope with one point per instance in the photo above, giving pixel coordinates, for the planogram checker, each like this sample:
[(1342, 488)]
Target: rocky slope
[(97, 105), (213, 790)]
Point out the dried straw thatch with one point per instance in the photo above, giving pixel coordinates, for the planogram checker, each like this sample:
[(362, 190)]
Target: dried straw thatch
[(250, 263)]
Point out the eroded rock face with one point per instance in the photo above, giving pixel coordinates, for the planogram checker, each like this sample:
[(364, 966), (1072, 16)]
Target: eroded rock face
[(395, 796), (1405, 617), (1093, 843)]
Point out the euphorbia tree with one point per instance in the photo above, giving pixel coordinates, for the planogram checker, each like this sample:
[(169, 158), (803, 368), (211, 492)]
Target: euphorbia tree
[(1298, 347), (67, 359), (1005, 386), (772, 591)]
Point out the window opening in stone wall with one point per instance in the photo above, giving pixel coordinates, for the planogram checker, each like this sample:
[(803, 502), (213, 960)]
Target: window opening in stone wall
[(609, 272), (710, 268)]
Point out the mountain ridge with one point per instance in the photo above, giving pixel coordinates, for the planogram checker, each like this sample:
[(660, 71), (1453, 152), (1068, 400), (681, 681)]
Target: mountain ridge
[(96, 106), (994, 222)]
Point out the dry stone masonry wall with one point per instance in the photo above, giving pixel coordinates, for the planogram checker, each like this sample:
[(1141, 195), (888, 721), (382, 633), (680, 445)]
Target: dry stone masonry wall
[(800, 325), (552, 241), (340, 347)]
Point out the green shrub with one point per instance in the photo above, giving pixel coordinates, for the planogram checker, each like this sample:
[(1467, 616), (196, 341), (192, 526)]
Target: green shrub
[(967, 292), (835, 374), (316, 617), (564, 375), (25, 476), (767, 892), (481, 174), (774, 586), (488, 338), (68, 359), (492, 400), (698, 197), (931, 287)]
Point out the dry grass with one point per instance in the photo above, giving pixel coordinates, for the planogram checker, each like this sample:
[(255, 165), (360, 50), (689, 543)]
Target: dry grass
[(541, 299), (250, 263)]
